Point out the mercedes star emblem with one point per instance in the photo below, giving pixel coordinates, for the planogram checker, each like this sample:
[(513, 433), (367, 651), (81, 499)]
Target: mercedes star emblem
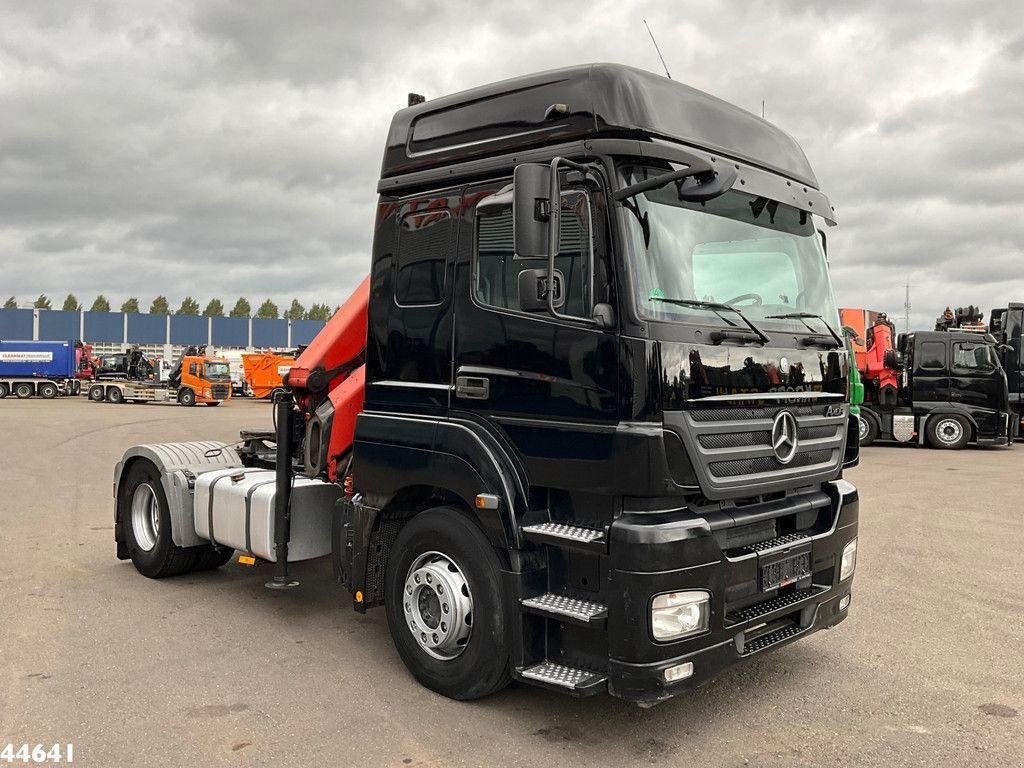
[(784, 437)]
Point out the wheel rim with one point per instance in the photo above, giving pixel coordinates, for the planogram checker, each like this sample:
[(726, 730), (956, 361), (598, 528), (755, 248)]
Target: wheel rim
[(949, 431), (862, 427), (145, 517), (438, 606)]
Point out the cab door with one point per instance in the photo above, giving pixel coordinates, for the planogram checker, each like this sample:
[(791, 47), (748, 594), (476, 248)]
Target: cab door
[(930, 372), (546, 385), (976, 380)]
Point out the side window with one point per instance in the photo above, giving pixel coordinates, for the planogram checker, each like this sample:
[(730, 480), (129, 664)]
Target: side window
[(974, 357), (424, 240), (500, 276), (932, 356), (192, 369)]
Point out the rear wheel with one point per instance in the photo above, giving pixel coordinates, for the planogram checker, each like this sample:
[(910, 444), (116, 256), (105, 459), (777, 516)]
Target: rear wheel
[(210, 557), (24, 390), (948, 432), (115, 395), (146, 521), (48, 390), (446, 609), (96, 393), (5, 389), (186, 397)]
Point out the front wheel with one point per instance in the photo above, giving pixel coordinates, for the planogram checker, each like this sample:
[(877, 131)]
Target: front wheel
[(948, 432), (445, 606), (187, 397), (868, 429)]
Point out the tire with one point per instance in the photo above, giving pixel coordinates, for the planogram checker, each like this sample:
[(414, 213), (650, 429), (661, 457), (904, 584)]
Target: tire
[(209, 558), (186, 397), (948, 432), (274, 392), (115, 395), (147, 530), (5, 389), (48, 390), (469, 659), (24, 390), (868, 428), (96, 393), (76, 388)]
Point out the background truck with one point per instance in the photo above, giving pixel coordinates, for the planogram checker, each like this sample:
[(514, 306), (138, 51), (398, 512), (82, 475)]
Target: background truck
[(583, 450), (196, 378), (1006, 324), (944, 388), (38, 369), (265, 371)]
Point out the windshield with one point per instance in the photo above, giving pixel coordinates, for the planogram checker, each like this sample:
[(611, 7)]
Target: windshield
[(216, 369), (757, 255)]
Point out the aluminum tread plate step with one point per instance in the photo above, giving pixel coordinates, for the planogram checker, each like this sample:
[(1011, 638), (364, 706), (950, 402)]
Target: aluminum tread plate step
[(772, 638), (786, 540), (758, 610), (565, 535), (563, 606), (564, 677)]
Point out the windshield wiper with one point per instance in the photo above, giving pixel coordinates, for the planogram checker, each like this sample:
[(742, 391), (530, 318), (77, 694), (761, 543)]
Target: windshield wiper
[(718, 308), (803, 317)]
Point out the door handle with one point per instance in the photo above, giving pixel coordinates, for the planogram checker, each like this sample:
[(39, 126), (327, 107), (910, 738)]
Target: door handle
[(472, 387)]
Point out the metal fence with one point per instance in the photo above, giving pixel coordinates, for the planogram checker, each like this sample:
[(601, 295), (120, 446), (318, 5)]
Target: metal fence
[(177, 330)]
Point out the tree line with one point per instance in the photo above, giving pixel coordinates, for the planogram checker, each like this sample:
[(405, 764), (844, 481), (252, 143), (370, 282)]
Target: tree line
[(189, 306)]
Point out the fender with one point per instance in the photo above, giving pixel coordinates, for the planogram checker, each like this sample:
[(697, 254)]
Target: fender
[(178, 464), (458, 455)]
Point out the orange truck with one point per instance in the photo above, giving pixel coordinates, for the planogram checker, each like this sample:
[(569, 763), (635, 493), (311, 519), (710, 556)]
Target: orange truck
[(264, 372), (197, 378)]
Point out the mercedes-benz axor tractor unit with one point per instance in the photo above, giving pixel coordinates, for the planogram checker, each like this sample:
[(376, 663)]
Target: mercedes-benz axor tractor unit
[(585, 423)]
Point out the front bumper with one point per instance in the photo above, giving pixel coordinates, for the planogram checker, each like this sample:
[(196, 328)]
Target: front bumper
[(652, 554)]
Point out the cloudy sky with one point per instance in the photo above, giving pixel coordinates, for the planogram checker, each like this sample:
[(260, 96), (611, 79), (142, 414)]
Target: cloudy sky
[(227, 148)]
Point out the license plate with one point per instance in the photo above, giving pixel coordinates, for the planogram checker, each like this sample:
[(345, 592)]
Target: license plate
[(786, 571)]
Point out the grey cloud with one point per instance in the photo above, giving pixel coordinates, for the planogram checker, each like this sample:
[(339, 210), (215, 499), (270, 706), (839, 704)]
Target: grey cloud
[(222, 148)]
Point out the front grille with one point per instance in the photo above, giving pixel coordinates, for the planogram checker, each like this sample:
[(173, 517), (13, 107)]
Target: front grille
[(220, 391), (731, 446), (766, 464)]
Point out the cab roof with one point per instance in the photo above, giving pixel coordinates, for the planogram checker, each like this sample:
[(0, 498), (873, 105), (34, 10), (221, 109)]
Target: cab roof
[(586, 101)]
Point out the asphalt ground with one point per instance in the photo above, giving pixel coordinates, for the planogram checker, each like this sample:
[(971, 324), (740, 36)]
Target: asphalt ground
[(214, 669)]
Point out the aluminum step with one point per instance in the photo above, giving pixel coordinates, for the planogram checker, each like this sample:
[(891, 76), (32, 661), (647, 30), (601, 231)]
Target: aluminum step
[(565, 607), (572, 679), (765, 642), (760, 610), (565, 535)]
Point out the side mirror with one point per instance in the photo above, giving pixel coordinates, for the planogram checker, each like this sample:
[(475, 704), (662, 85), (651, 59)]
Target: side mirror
[(604, 316), (851, 333), (531, 210), (1004, 348), (533, 290)]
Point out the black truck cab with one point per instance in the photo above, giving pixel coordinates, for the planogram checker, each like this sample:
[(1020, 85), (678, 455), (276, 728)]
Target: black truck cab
[(603, 336), (953, 393), (1006, 324)]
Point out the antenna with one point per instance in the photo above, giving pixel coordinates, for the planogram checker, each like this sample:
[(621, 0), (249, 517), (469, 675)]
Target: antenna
[(906, 309), (657, 49)]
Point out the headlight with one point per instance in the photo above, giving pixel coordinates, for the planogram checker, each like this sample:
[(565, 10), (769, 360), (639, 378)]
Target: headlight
[(678, 614), (849, 561)]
